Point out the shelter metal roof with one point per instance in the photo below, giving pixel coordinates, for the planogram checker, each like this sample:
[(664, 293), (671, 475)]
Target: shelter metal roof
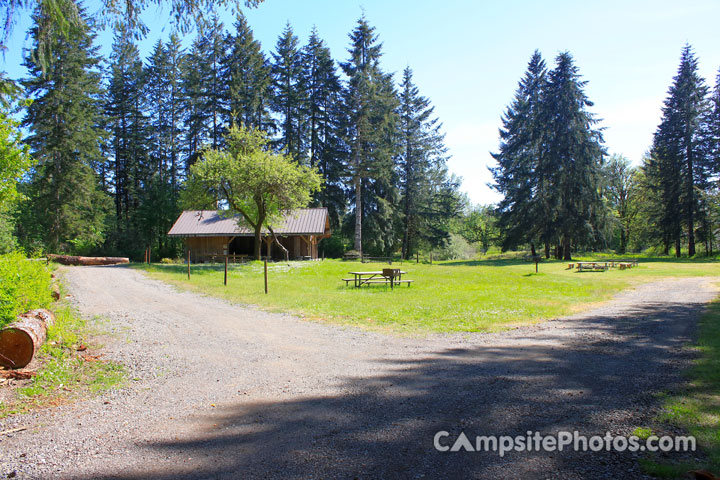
[(211, 223)]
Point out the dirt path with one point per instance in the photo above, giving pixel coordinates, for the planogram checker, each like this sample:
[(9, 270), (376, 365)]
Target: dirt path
[(222, 391)]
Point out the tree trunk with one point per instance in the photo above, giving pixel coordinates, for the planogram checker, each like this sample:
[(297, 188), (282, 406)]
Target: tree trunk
[(74, 260), (691, 200), (547, 251), (20, 340), (358, 215), (677, 246), (566, 248), (258, 241)]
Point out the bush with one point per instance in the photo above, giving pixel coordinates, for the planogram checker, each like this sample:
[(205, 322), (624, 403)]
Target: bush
[(24, 285), (457, 248), (332, 247)]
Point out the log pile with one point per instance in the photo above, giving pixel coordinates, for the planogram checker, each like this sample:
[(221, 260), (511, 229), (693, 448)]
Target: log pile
[(75, 260), (20, 340)]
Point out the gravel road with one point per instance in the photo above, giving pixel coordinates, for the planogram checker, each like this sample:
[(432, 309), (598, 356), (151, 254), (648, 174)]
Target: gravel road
[(224, 391)]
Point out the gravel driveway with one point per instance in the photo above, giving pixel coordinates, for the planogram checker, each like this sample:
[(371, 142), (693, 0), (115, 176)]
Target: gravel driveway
[(224, 391)]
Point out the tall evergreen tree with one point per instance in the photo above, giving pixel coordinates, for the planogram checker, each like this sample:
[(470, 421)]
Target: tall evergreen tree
[(207, 90), (323, 111), (571, 156), (422, 172), (166, 109), (289, 94), (677, 151), (126, 107), (67, 209), (247, 75), (525, 211), (371, 139)]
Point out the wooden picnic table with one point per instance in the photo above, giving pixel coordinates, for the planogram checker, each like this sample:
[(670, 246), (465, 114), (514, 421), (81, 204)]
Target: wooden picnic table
[(392, 276), (593, 266)]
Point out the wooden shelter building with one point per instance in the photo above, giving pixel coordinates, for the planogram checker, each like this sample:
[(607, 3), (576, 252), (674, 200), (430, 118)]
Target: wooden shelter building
[(210, 235)]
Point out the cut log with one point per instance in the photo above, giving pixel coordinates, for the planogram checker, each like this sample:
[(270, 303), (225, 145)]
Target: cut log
[(74, 260), (55, 292), (20, 340)]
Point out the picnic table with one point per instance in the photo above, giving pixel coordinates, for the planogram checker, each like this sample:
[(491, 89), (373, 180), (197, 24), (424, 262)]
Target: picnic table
[(592, 266), (391, 276)]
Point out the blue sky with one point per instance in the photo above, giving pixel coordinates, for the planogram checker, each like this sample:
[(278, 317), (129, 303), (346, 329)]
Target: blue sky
[(469, 55)]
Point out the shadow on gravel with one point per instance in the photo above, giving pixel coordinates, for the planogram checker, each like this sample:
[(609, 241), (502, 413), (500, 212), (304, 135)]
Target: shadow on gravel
[(383, 427)]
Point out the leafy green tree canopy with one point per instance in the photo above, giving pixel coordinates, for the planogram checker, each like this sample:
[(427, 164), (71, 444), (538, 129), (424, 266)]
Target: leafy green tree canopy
[(255, 183), (15, 159)]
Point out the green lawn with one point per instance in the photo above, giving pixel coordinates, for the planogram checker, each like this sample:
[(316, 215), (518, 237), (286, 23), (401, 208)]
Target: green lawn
[(461, 296)]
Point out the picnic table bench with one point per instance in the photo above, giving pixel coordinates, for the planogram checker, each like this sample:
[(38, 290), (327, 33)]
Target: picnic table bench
[(391, 276), (624, 263)]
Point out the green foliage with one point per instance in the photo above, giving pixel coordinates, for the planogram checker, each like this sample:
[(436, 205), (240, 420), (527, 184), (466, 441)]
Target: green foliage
[(24, 285), (622, 191), (247, 77), (333, 247), (369, 126), (455, 248), (549, 161), (479, 225), (65, 203), (256, 184), (324, 111), (429, 198), (14, 156), (289, 95), (679, 165)]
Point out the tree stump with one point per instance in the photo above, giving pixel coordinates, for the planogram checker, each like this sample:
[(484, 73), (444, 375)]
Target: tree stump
[(20, 340)]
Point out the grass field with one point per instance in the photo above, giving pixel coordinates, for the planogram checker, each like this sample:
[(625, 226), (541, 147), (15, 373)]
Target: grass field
[(456, 296)]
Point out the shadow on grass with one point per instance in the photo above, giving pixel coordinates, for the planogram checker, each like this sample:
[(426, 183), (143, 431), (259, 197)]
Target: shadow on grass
[(383, 426)]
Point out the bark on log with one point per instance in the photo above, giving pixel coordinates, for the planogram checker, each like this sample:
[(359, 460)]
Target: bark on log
[(74, 260), (20, 340)]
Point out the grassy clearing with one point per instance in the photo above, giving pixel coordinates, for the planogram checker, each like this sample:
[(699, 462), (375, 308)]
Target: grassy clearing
[(697, 410), (459, 296)]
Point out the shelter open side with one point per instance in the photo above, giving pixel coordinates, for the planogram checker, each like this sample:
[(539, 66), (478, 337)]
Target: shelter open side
[(212, 234)]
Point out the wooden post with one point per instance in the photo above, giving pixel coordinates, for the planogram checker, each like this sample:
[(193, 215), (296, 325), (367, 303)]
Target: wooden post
[(188, 264), (226, 262), (266, 289)]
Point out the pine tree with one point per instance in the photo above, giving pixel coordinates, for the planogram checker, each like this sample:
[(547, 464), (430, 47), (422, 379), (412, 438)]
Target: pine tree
[(159, 207), (677, 151), (126, 107), (66, 210), (422, 172), (371, 138), (289, 94), (207, 90), (323, 113), (525, 212), (571, 156), (247, 75)]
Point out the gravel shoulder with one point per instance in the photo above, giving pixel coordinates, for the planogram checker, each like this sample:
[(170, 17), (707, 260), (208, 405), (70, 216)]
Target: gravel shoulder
[(223, 391)]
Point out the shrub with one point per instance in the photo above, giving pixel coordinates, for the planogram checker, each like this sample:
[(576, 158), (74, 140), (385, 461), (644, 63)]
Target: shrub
[(457, 248), (24, 285)]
